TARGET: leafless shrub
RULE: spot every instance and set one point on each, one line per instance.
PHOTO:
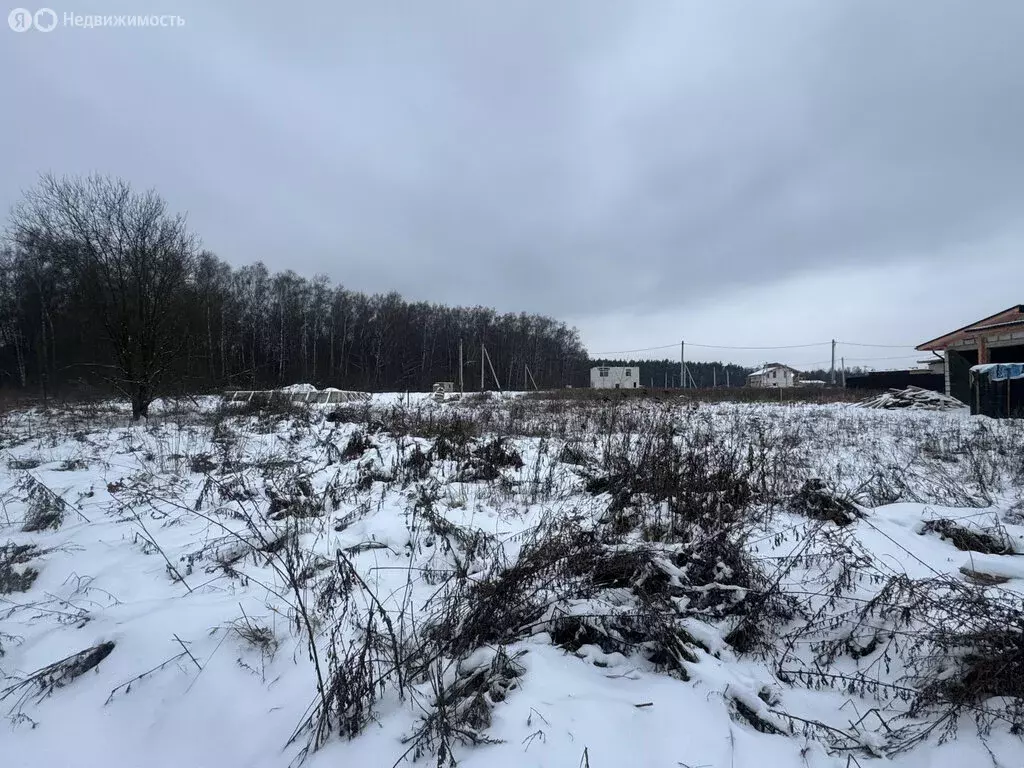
(454, 426)
(6, 638)
(226, 553)
(371, 470)
(452, 544)
(72, 465)
(621, 595)
(757, 717)
(956, 649)
(497, 609)
(269, 409)
(574, 453)
(351, 414)
(12, 579)
(202, 464)
(363, 657)
(694, 477)
(993, 541)
(459, 711)
(357, 445)
(257, 637)
(293, 498)
(45, 508)
(814, 500)
(450, 447)
(415, 466)
(486, 460)
(24, 463)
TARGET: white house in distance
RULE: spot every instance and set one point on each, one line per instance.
(773, 375)
(605, 377)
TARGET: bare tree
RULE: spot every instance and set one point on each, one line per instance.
(133, 260)
(10, 309)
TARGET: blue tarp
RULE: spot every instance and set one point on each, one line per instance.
(1000, 371)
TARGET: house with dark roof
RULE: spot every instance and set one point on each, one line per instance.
(998, 338)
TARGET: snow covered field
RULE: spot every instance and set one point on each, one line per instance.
(511, 582)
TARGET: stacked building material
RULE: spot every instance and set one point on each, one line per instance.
(299, 393)
(914, 398)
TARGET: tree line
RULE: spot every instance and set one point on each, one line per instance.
(102, 284)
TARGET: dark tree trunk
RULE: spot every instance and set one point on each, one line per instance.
(141, 399)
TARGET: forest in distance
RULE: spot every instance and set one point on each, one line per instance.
(101, 285)
(103, 288)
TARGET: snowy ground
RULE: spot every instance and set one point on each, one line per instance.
(741, 616)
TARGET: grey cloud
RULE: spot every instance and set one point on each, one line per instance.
(538, 155)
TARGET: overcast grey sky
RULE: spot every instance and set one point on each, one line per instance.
(734, 173)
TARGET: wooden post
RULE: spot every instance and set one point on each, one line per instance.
(491, 366)
(533, 380)
(682, 364)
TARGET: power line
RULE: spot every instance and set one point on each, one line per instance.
(895, 357)
(766, 348)
(711, 346)
(787, 346)
(858, 359)
(884, 346)
(630, 351)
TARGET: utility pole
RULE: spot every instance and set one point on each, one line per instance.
(843, 360)
(714, 377)
(666, 378)
(491, 365)
(833, 361)
(727, 377)
(682, 364)
(461, 387)
(532, 380)
(482, 353)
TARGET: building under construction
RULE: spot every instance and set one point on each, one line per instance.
(998, 338)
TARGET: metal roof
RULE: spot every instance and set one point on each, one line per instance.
(1009, 318)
